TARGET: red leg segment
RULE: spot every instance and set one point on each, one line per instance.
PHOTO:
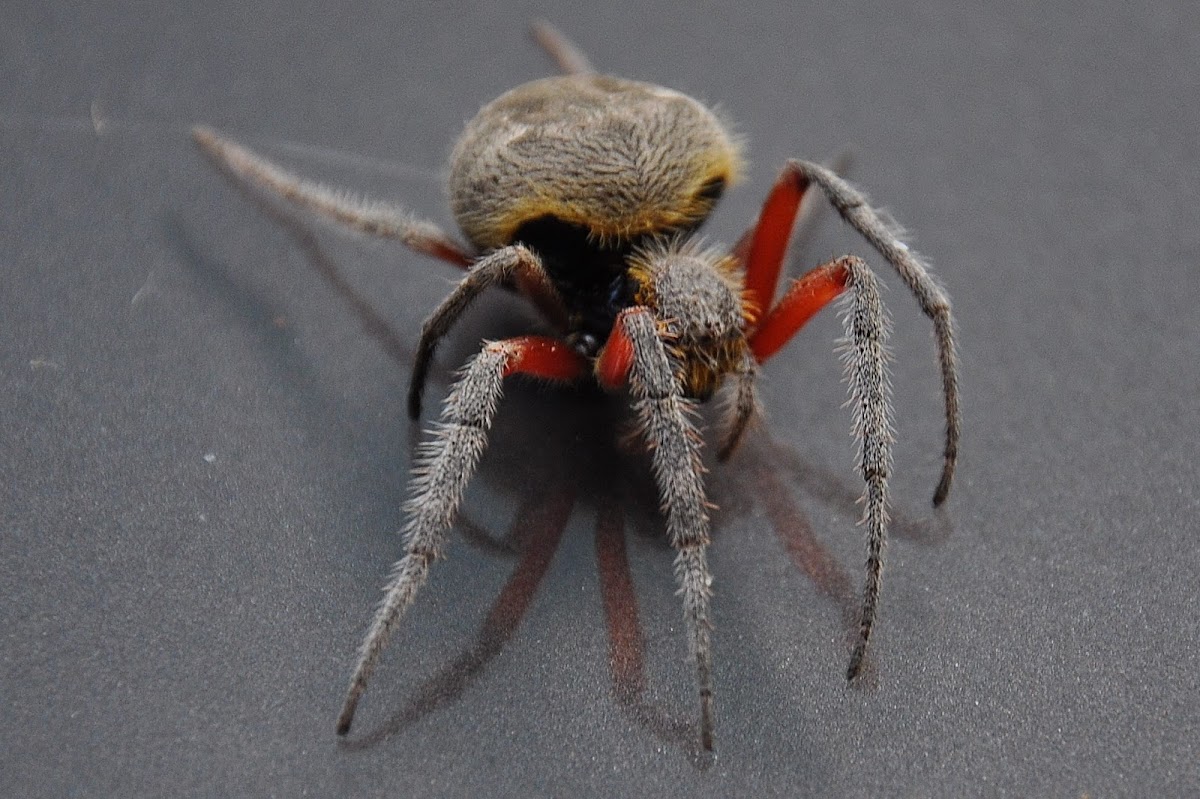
(616, 359)
(448, 251)
(539, 356)
(808, 294)
(765, 248)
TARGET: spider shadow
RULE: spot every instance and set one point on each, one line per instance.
(537, 526)
(759, 475)
(576, 475)
(536, 529)
(298, 226)
(832, 490)
(535, 532)
(626, 656)
(224, 284)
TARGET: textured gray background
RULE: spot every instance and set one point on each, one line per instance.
(205, 449)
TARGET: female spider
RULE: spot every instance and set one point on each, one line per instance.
(583, 192)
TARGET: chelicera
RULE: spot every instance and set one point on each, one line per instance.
(583, 192)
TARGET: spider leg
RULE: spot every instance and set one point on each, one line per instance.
(742, 408)
(807, 295)
(502, 266)
(764, 246)
(570, 59)
(446, 465)
(854, 208)
(639, 356)
(366, 216)
(866, 358)
(785, 214)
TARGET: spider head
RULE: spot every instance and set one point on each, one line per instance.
(699, 296)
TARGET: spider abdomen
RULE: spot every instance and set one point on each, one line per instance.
(619, 158)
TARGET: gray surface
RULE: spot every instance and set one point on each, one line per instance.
(205, 449)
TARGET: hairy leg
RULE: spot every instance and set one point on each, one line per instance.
(762, 249)
(743, 406)
(365, 216)
(570, 59)
(865, 355)
(864, 349)
(446, 465)
(807, 295)
(855, 209)
(665, 414)
(501, 266)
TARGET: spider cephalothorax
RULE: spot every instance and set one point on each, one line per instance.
(583, 192)
(699, 296)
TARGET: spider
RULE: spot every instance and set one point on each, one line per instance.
(584, 192)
